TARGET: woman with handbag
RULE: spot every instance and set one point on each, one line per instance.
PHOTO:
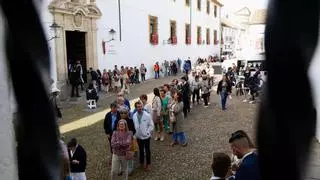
(176, 117)
(124, 113)
(120, 142)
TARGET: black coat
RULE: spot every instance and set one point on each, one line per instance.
(74, 77)
(229, 87)
(81, 156)
(185, 90)
(91, 94)
(108, 123)
(94, 75)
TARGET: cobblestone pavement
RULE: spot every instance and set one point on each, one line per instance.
(207, 130)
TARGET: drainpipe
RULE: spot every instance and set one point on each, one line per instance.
(119, 10)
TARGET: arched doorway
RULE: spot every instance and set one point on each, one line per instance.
(78, 36)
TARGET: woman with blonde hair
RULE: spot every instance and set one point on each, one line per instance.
(120, 143)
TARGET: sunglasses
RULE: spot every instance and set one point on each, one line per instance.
(123, 113)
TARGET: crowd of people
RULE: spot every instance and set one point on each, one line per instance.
(117, 80)
(130, 131)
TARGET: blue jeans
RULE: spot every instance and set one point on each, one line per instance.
(179, 136)
(156, 74)
(224, 97)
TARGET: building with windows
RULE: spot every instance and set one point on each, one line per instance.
(104, 33)
(247, 26)
(256, 30)
(233, 37)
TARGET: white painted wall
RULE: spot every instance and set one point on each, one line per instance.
(47, 20)
(135, 47)
(255, 32)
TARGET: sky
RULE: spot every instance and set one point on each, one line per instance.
(230, 5)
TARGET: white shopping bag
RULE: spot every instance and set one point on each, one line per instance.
(230, 97)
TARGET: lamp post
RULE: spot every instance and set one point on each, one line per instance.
(112, 32)
(55, 28)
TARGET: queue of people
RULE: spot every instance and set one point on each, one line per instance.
(160, 119)
(117, 80)
(130, 132)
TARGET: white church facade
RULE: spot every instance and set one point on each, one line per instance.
(104, 33)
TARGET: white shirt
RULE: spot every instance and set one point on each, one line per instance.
(72, 152)
(215, 177)
(148, 108)
(145, 127)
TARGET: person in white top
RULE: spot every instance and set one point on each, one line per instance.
(211, 76)
(156, 116)
(144, 126)
(146, 106)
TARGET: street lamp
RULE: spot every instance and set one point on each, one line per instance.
(112, 32)
(55, 28)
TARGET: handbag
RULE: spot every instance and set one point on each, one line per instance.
(134, 146)
(163, 113)
(172, 117)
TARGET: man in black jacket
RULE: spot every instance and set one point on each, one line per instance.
(78, 160)
(185, 90)
(75, 80)
(110, 122)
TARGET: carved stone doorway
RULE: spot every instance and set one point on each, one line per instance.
(80, 16)
(76, 50)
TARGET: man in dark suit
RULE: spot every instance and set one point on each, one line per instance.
(249, 167)
(110, 122)
(78, 159)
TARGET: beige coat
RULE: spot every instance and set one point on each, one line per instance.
(156, 108)
(178, 112)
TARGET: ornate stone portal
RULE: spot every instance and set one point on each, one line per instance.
(75, 15)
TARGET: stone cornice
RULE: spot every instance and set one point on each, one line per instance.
(67, 7)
